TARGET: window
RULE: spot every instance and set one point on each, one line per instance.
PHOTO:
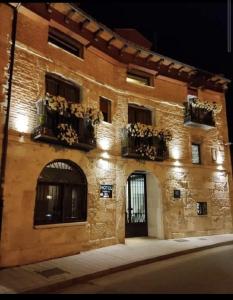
(65, 42)
(105, 107)
(57, 86)
(61, 195)
(202, 208)
(196, 157)
(139, 114)
(138, 77)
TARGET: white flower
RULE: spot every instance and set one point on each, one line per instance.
(67, 134)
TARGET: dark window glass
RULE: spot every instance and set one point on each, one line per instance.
(105, 107)
(61, 194)
(196, 155)
(139, 114)
(202, 208)
(65, 42)
(57, 86)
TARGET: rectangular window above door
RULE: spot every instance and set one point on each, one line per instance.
(139, 114)
(57, 86)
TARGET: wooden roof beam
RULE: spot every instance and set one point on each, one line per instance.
(49, 6)
(83, 24)
(180, 70)
(137, 53)
(148, 58)
(109, 41)
(97, 33)
(122, 49)
(169, 66)
(69, 15)
(159, 62)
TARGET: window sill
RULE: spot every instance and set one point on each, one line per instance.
(60, 225)
(140, 85)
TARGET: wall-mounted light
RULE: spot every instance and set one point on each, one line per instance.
(103, 164)
(105, 155)
(21, 123)
(104, 143)
(175, 152)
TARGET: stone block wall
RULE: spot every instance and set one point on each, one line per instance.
(210, 182)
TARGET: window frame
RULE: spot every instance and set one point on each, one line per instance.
(65, 42)
(62, 215)
(133, 76)
(203, 208)
(199, 153)
(140, 108)
(109, 109)
(63, 83)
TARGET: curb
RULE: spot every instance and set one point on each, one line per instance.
(69, 282)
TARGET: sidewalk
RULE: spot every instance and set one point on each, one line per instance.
(61, 272)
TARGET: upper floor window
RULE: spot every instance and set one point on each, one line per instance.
(105, 107)
(139, 114)
(196, 155)
(61, 194)
(65, 42)
(192, 93)
(57, 86)
(138, 77)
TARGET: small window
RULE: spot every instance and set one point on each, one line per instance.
(138, 78)
(202, 208)
(196, 156)
(105, 107)
(61, 195)
(139, 114)
(65, 42)
(57, 86)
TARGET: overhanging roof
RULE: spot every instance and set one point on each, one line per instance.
(109, 42)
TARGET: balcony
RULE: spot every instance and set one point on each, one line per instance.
(65, 130)
(198, 117)
(151, 148)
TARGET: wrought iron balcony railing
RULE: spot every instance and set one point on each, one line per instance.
(48, 131)
(198, 117)
(145, 148)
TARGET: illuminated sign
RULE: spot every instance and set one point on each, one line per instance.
(106, 191)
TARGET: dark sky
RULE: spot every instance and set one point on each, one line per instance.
(194, 32)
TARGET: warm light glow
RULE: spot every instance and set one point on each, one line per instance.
(175, 152)
(104, 144)
(220, 168)
(177, 163)
(103, 164)
(220, 157)
(105, 155)
(21, 123)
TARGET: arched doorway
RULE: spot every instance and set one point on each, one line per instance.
(61, 194)
(136, 206)
(143, 215)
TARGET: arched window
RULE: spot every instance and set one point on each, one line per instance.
(61, 195)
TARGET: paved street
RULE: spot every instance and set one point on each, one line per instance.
(209, 271)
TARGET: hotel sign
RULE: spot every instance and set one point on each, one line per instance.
(106, 191)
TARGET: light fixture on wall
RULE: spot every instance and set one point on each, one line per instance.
(21, 124)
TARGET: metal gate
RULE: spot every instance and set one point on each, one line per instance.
(136, 209)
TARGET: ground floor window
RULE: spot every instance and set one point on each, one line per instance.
(61, 194)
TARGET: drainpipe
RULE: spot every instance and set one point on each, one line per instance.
(6, 123)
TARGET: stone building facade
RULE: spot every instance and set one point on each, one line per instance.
(184, 197)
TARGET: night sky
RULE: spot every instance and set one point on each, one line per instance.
(192, 32)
